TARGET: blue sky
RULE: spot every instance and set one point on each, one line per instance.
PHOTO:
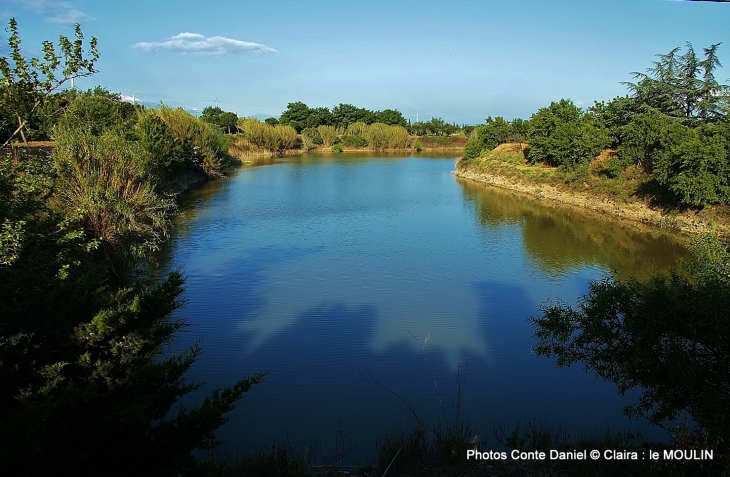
(462, 60)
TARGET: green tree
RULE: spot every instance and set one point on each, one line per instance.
(519, 129)
(694, 163)
(345, 114)
(228, 122)
(392, 117)
(319, 117)
(99, 110)
(668, 337)
(683, 86)
(614, 116)
(295, 115)
(27, 84)
(434, 127)
(225, 121)
(488, 136)
(643, 139)
(211, 115)
(562, 135)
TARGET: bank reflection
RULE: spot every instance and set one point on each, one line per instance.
(561, 240)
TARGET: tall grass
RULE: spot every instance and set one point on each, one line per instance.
(105, 183)
(274, 139)
(384, 136)
(356, 129)
(285, 136)
(328, 134)
(208, 144)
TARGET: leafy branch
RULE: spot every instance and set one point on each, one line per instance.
(25, 85)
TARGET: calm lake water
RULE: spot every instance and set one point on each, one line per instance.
(332, 271)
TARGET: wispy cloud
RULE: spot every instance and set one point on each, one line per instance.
(197, 43)
(55, 11)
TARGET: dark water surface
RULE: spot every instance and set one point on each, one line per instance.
(326, 270)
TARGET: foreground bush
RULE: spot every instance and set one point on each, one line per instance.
(668, 337)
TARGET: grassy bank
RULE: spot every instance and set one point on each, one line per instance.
(629, 194)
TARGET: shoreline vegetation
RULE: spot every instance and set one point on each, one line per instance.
(506, 167)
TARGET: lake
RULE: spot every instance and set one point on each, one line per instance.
(333, 272)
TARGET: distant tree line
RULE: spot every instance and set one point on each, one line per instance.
(674, 124)
(300, 116)
(302, 127)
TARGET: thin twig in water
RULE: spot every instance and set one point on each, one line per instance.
(413, 411)
(430, 369)
(391, 462)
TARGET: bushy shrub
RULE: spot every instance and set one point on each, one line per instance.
(642, 139)
(611, 168)
(168, 155)
(494, 132)
(99, 110)
(312, 135)
(695, 164)
(562, 135)
(474, 146)
(106, 182)
(353, 141)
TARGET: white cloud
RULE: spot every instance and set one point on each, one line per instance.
(190, 36)
(55, 11)
(197, 43)
(69, 17)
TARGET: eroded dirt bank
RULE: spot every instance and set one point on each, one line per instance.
(689, 222)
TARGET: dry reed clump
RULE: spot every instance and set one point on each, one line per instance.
(285, 135)
(328, 134)
(271, 138)
(253, 131)
(207, 142)
(241, 147)
(357, 129)
(105, 182)
(384, 136)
